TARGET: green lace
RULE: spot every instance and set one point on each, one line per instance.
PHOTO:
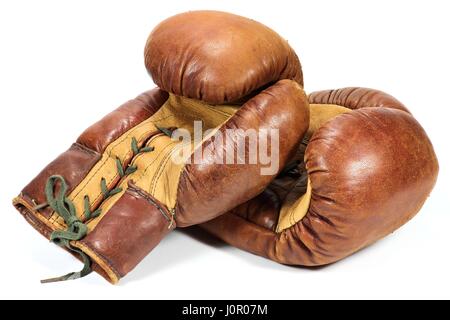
(76, 229)
(65, 208)
(167, 131)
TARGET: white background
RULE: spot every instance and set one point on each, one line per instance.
(65, 64)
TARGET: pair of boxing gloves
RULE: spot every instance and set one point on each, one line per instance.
(331, 173)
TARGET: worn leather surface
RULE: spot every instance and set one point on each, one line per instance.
(131, 229)
(356, 98)
(201, 184)
(73, 164)
(217, 57)
(371, 170)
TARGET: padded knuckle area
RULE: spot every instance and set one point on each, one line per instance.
(262, 112)
(372, 153)
(356, 98)
(98, 136)
(182, 55)
(370, 171)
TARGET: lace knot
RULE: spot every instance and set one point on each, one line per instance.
(76, 230)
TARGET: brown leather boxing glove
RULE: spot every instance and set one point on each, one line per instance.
(365, 168)
(121, 187)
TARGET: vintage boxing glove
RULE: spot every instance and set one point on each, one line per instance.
(367, 169)
(127, 181)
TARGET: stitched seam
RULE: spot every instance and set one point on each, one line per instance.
(345, 104)
(109, 155)
(55, 218)
(218, 111)
(205, 143)
(363, 96)
(161, 119)
(24, 194)
(164, 164)
(102, 257)
(158, 171)
(208, 107)
(149, 199)
(146, 168)
(84, 148)
(161, 169)
(130, 152)
(39, 216)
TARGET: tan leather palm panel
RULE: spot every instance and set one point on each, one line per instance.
(106, 168)
(157, 174)
(294, 208)
(321, 113)
(151, 166)
(296, 204)
(160, 178)
(180, 112)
